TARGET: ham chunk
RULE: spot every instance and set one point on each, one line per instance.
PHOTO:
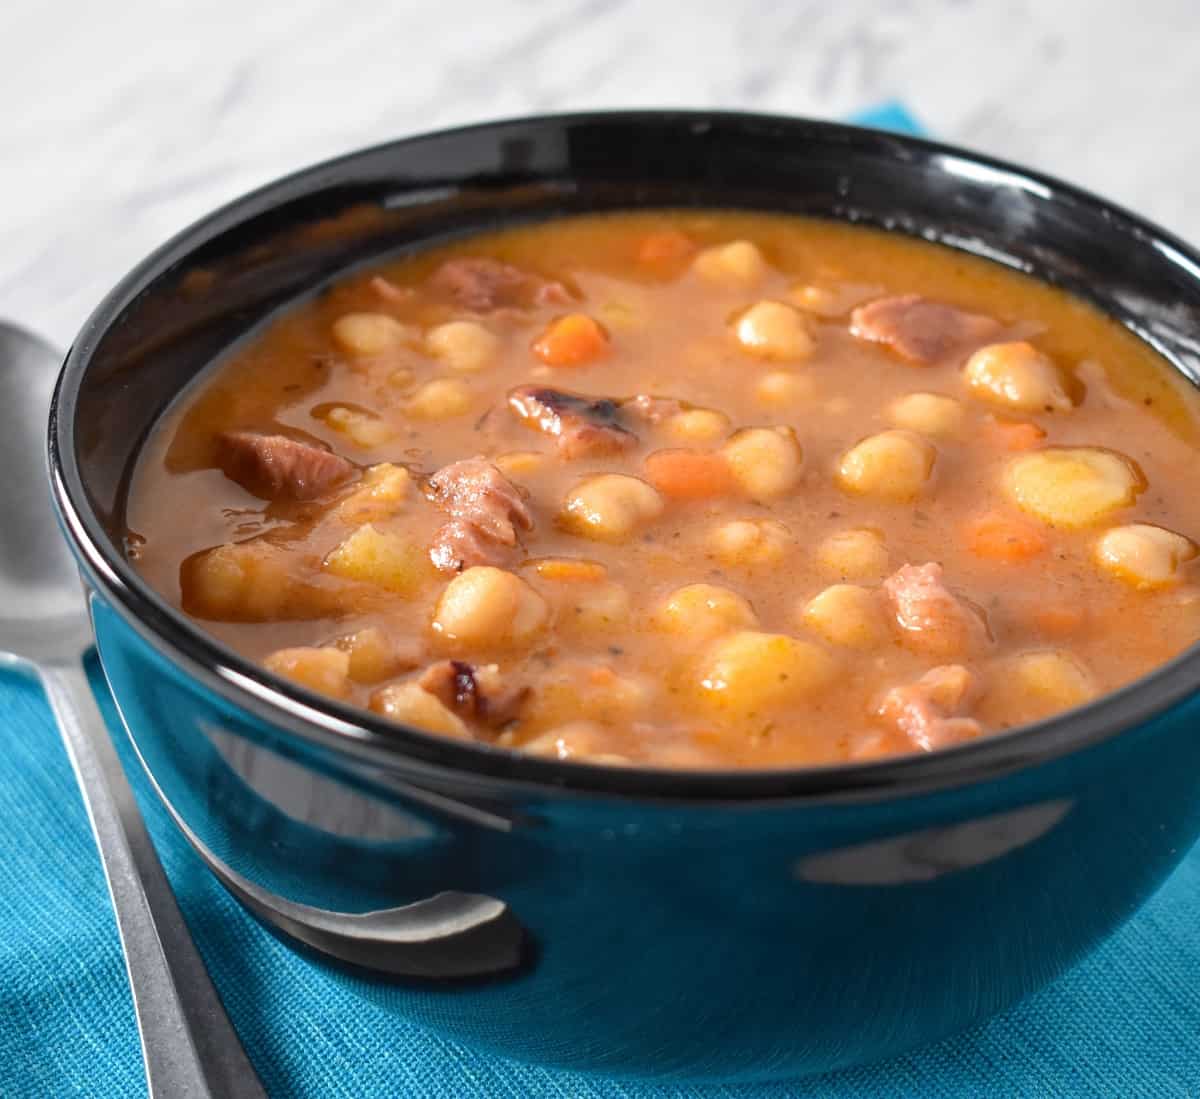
(476, 693)
(929, 617)
(486, 511)
(481, 285)
(930, 712)
(920, 330)
(275, 467)
(584, 427)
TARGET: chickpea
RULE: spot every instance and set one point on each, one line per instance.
(386, 560)
(703, 611)
(325, 671)
(781, 389)
(366, 334)
(764, 461)
(597, 606)
(748, 672)
(463, 345)
(818, 299)
(893, 465)
(698, 425)
(854, 554)
(927, 414)
(772, 330)
(610, 507)
(520, 463)
(1050, 680)
(363, 429)
(410, 704)
(440, 399)
(749, 542)
(739, 263)
(486, 607)
(848, 615)
(1144, 556)
(1072, 486)
(1016, 375)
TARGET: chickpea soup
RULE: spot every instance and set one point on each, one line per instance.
(686, 489)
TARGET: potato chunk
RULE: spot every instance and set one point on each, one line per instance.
(374, 656)
(848, 615)
(927, 414)
(703, 611)
(463, 345)
(386, 560)
(1144, 556)
(746, 543)
(610, 507)
(440, 399)
(325, 671)
(739, 263)
(750, 672)
(772, 330)
(488, 608)
(367, 334)
(1072, 486)
(893, 465)
(854, 554)
(1048, 680)
(412, 705)
(381, 494)
(1017, 375)
(765, 461)
(364, 429)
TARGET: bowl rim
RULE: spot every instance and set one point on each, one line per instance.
(347, 729)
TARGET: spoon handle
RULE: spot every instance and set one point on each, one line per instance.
(190, 1048)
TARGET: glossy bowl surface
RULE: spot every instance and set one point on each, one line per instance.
(688, 924)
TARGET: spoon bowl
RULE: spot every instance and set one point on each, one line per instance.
(43, 613)
(188, 1044)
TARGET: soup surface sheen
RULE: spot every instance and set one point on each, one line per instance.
(686, 489)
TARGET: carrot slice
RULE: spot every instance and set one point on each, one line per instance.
(569, 569)
(689, 474)
(573, 340)
(1001, 537)
(1013, 435)
(665, 245)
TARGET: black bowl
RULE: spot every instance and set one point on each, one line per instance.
(730, 925)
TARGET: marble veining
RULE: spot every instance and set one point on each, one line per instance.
(123, 123)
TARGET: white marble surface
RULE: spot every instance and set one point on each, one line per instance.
(123, 122)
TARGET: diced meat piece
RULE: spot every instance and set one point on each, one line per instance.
(584, 427)
(481, 285)
(552, 293)
(930, 618)
(920, 330)
(486, 510)
(459, 545)
(389, 291)
(651, 409)
(275, 467)
(930, 712)
(476, 693)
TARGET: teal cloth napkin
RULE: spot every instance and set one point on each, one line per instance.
(1125, 1023)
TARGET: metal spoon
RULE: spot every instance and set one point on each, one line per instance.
(189, 1047)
